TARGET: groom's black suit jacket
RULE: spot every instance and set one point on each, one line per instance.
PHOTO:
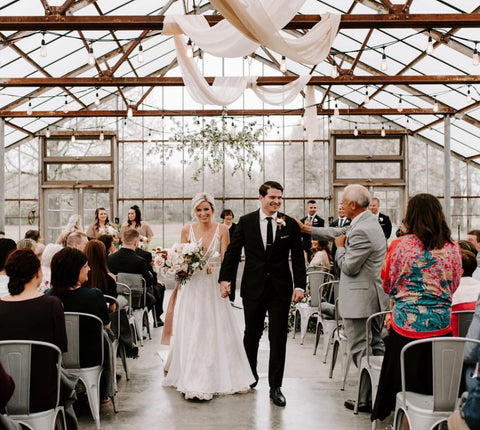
(265, 269)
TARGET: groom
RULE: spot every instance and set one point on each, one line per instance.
(269, 237)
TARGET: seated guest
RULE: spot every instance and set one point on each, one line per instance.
(321, 256)
(34, 235)
(107, 240)
(7, 246)
(74, 224)
(76, 240)
(6, 388)
(50, 250)
(99, 276)
(26, 244)
(466, 295)
(27, 314)
(469, 246)
(420, 273)
(472, 351)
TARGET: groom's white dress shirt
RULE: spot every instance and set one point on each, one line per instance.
(264, 224)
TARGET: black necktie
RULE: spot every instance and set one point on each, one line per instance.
(341, 222)
(269, 232)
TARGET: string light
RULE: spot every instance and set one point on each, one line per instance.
(400, 104)
(430, 44)
(355, 131)
(72, 139)
(334, 71)
(302, 120)
(367, 97)
(283, 64)
(408, 124)
(97, 99)
(102, 136)
(475, 57)
(149, 139)
(47, 133)
(29, 108)
(330, 124)
(129, 112)
(304, 133)
(435, 106)
(43, 46)
(384, 64)
(383, 132)
(336, 111)
(162, 122)
(189, 48)
(469, 95)
(232, 130)
(65, 105)
(91, 56)
(140, 57)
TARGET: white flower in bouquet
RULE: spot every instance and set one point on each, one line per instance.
(111, 230)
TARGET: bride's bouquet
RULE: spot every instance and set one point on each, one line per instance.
(181, 260)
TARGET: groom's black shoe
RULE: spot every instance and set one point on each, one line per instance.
(255, 383)
(277, 396)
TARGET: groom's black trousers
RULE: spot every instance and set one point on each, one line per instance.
(255, 311)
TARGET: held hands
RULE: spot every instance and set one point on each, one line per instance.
(340, 241)
(304, 228)
(297, 295)
(224, 289)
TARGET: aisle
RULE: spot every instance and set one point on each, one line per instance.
(313, 400)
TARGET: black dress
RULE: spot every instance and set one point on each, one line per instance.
(40, 319)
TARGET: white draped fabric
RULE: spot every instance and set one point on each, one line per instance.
(258, 24)
(282, 94)
(310, 117)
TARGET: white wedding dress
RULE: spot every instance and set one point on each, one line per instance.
(207, 356)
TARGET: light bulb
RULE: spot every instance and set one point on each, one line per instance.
(367, 97)
(302, 121)
(65, 106)
(408, 124)
(162, 122)
(47, 133)
(304, 133)
(469, 95)
(336, 111)
(91, 56)
(283, 64)
(43, 47)
(149, 139)
(232, 130)
(383, 132)
(140, 57)
(355, 131)
(400, 104)
(475, 57)
(189, 48)
(72, 138)
(334, 70)
(29, 108)
(97, 99)
(129, 112)
(102, 136)
(384, 65)
(430, 44)
(435, 106)
(330, 124)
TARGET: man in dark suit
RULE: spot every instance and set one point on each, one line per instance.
(383, 219)
(341, 221)
(315, 221)
(268, 237)
(125, 260)
(158, 289)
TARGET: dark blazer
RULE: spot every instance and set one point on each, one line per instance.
(265, 269)
(335, 223)
(127, 261)
(386, 224)
(147, 256)
(306, 238)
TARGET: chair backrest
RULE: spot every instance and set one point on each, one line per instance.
(447, 362)
(137, 286)
(71, 358)
(464, 320)
(114, 327)
(315, 279)
(368, 325)
(16, 358)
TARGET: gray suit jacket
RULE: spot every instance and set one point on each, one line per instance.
(360, 263)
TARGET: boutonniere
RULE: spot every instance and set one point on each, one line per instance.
(281, 222)
(380, 218)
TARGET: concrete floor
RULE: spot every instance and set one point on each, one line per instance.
(313, 400)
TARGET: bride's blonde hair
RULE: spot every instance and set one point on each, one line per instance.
(199, 199)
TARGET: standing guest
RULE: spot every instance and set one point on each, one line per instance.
(77, 240)
(50, 250)
(340, 222)
(321, 256)
(101, 226)
(99, 275)
(315, 221)
(74, 225)
(7, 246)
(227, 216)
(421, 272)
(135, 222)
(27, 314)
(383, 219)
(269, 238)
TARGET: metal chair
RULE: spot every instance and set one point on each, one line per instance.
(125, 291)
(306, 310)
(138, 287)
(16, 357)
(327, 322)
(90, 376)
(370, 366)
(464, 319)
(427, 411)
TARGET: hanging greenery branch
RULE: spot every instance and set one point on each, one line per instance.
(215, 144)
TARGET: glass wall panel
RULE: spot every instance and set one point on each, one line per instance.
(361, 146)
(348, 170)
(80, 148)
(78, 172)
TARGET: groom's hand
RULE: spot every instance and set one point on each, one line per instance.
(304, 228)
(297, 295)
(224, 288)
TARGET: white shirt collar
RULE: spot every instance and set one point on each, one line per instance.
(263, 216)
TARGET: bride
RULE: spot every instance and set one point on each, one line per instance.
(207, 356)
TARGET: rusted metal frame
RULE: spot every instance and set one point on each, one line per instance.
(65, 7)
(370, 158)
(219, 112)
(21, 129)
(406, 6)
(78, 160)
(128, 51)
(303, 22)
(387, 5)
(360, 52)
(46, 6)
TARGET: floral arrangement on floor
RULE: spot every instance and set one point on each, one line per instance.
(182, 260)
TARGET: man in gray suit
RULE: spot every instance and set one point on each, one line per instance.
(360, 252)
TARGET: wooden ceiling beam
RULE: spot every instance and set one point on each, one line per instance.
(298, 22)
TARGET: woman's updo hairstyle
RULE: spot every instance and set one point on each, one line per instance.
(200, 198)
(21, 266)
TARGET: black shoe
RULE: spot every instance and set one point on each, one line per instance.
(255, 383)
(118, 376)
(277, 397)
(160, 322)
(362, 406)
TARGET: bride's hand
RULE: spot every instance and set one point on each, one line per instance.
(224, 288)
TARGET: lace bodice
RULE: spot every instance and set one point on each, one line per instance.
(213, 251)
